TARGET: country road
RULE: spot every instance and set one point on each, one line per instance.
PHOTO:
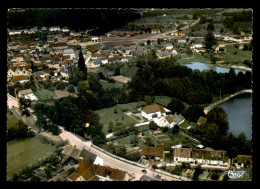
(121, 39)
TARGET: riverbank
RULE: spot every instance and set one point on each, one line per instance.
(211, 106)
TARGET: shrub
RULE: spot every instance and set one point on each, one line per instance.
(153, 125)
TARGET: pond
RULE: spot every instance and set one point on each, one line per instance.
(239, 112)
(203, 66)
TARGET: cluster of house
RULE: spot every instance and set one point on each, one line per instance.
(36, 29)
(161, 116)
(195, 156)
(90, 167)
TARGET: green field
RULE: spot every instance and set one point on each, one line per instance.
(44, 94)
(239, 58)
(108, 115)
(25, 152)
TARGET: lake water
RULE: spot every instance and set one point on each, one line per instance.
(202, 66)
(239, 112)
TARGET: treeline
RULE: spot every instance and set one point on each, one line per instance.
(238, 21)
(197, 12)
(165, 77)
(101, 20)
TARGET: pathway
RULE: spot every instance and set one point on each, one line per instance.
(210, 107)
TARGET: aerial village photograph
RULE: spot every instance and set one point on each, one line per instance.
(129, 94)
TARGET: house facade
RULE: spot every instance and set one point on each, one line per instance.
(17, 71)
(201, 156)
(156, 153)
(155, 31)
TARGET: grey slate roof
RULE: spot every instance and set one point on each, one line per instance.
(88, 156)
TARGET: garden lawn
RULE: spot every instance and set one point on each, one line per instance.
(108, 115)
(25, 152)
(44, 94)
(239, 58)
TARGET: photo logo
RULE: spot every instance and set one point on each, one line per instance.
(234, 174)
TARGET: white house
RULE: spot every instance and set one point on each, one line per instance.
(15, 32)
(54, 28)
(21, 70)
(164, 121)
(196, 45)
(181, 40)
(27, 94)
(151, 111)
(200, 156)
(155, 31)
(94, 39)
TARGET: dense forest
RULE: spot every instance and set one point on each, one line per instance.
(99, 21)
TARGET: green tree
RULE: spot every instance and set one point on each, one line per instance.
(149, 99)
(134, 140)
(81, 65)
(209, 40)
(99, 139)
(176, 105)
(194, 112)
(71, 88)
(135, 156)
(175, 129)
(211, 26)
(24, 105)
(153, 125)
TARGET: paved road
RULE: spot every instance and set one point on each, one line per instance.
(111, 161)
(151, 37)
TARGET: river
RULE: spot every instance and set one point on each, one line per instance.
(239, 112)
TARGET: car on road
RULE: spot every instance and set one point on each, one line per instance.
(144, 171)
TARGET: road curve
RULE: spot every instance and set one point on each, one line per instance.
(112, 161)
